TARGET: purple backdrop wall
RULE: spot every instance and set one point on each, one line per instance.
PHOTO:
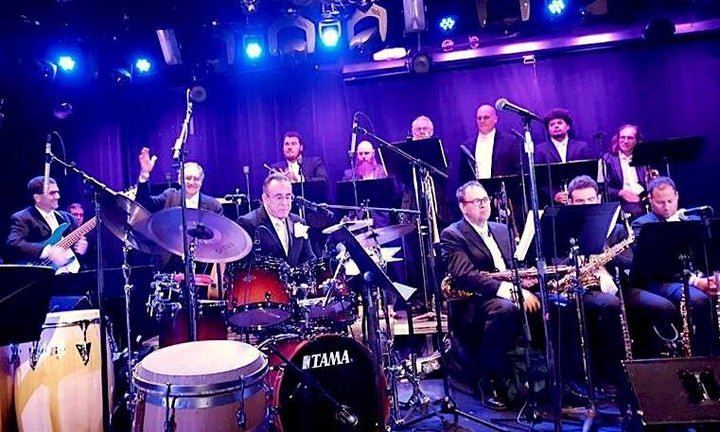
(669, 91)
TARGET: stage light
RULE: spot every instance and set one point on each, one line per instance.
(67, 63)
(556, 7)
(142, 65)
(329, 32)
(169, 46)
(253, 46)
(447, 24)
(293, 34)
(249, 6)
(420, 63)
(374, 17)
(414, 15)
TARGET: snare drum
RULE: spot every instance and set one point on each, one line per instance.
(329, 302)
(342, 367)
(212, 386)
(58, 382)
(173, 319)
(258, 299)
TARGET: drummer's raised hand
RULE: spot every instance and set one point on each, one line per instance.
(147, 163)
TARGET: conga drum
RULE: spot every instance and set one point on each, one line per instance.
(201, 386)
(7, 371)
(58, 382)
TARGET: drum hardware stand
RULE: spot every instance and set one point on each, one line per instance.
(128, 287)
(343, 413)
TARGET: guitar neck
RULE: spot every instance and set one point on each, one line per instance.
(76, 235)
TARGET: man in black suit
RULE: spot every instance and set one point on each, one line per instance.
(31, 227)
(625, 183)
(276, 232)
(194, 199)
(470, 248)
(663, 197)
(496, 153)
(561, 148)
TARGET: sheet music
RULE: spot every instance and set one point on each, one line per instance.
(527, 236)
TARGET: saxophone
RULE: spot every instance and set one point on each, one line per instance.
(588, 276)
(627, 340)
(452, 293)
(687, 349)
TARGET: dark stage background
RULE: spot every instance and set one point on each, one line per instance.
(670, 90)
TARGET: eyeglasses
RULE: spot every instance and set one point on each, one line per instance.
(479, 201)
(193, 178)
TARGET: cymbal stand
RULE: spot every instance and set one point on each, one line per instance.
(128, 287)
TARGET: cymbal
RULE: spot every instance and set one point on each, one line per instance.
(352, 225)
(128, 221)
(217, 238)
(385, 235)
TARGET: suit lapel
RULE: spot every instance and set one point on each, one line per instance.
(265, 220)
(477, 245)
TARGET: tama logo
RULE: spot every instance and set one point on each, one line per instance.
(321, 360)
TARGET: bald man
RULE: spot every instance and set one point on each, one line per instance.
(495, 153)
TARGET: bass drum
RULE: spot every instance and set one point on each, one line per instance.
(58, 382)
(201, 386)
(343, 370)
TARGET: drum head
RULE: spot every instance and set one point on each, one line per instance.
(214, 364)
(61, 319)
(343, 370)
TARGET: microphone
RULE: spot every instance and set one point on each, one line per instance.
(467, 153)
(503, 104)
(702, 211)
(48, 159)
(317, 208)
(234, 197)
(300, 160)
(353, 139)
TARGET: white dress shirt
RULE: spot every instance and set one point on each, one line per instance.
(505, 289)
(281, 229)
(629, 173)
(483, 154)
(561, 147)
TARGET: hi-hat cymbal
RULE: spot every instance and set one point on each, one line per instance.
(128, 221)
(352, 225)
(216, 237)
(384, 235)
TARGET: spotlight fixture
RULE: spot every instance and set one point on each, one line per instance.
(420, 63)
(67, 63)
(253, 46)
(329, 27)
(414, 15)
(169, 46)
(249, 6)
(447, 24)
(373, 13)
(142, 65)
(294, 34)
(556, 7)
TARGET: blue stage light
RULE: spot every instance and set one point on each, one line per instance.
(447, 23)
(556, 7)
(66, 63)
(142, 65)
(329, 32)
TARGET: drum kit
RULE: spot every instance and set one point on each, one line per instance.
(297, 368)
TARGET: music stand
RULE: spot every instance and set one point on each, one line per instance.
(24, 300)
(371, 193)
(663, 152)
(588, 224)
(429, 150)
(551, 177)
(316, 191)
(514, 190)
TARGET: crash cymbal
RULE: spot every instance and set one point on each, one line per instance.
(352, 225)
(128, 221)
(216, 237)
(384, 235)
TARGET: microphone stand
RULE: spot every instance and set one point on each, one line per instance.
(301, 210)
(104, 359)
(179, 163)
(603, 167)
(246, 171)
(553, 371)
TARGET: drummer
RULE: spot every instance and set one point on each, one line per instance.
(170, 197)
(275, 231)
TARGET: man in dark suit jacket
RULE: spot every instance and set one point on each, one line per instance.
(32, 226)
(663, 197)
(561, 148)
(504, 150)
(194, 176)
(470, 248)
(628, 191)
(276, 232)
